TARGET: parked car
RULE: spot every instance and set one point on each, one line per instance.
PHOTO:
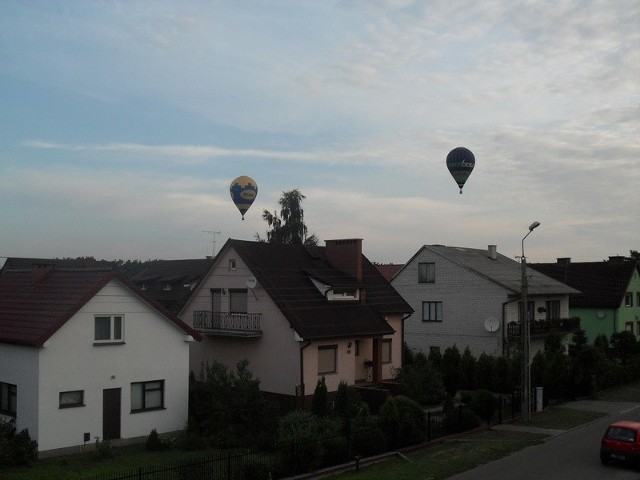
(621, 441)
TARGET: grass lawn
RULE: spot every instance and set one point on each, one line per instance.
(563, 418)
(451, 457)
(79, 466)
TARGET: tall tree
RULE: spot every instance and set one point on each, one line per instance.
(288, 227)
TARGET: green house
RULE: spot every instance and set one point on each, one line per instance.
(610, 298)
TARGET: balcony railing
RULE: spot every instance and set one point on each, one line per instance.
(227, 324)
(543, 327)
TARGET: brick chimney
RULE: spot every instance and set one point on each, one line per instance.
(345, 255)
(40, 270)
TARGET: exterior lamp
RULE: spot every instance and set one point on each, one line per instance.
(525, 335)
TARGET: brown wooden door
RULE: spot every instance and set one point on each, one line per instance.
(111, 413)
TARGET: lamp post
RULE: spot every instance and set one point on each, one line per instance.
(525, 333)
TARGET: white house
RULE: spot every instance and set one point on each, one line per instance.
(86, 355)
(471, 298)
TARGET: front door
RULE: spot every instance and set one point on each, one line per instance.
(111, 413)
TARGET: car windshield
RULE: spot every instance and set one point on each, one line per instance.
(620, 433)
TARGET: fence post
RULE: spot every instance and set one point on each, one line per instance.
(139, 473)
(428, 425)
(500, 410)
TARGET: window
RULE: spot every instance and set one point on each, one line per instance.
(327, 359)
(232, 264)
(166, 286)
(628, 327)
(109, 329)
(8, 399)
(431, 311)
(71, 399)
(638, 328)
(386, 350)
(553, 309)
(628, 299)
(147, 396)
(426, 272)
(238, 300)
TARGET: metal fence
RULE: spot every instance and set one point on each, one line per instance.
(286, 460)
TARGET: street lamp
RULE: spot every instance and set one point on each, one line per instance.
(526, 335)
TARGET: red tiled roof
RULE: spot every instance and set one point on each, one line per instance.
(31, 312)
(389, 270)
(285, 272)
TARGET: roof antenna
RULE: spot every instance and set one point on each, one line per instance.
(213, 240)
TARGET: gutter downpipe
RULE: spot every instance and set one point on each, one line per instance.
(302, 393)
(504, 321)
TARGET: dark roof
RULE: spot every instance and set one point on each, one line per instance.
(17, 263)
(285, 272)
(183, 275)
(32, 311)
(603, 284)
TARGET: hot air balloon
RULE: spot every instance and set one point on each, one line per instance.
(460, 163)
(243, 192)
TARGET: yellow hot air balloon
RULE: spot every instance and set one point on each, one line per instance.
(243, 192)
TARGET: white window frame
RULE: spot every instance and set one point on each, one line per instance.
(116, 322)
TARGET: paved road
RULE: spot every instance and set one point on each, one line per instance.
(570, 455)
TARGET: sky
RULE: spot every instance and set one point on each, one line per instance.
(122, 124)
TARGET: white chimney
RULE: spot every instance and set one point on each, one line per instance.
(493, 252)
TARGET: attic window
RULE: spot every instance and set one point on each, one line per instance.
(232, 264)
(166, 287)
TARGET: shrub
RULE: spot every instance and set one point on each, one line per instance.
(154, 442)
(483, 404)
(191, 441)
(421, 381)
(299, 442)
(320, 401)
(16, 448)
(403, 421)
(460, 420)
(366, 442)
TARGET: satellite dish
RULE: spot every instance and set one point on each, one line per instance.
(252, 282)
(491, 324)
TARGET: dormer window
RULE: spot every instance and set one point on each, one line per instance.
(166, 287)
(343, 294)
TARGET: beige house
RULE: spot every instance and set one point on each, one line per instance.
(298, 314)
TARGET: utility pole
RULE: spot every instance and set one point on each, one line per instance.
(213, 241)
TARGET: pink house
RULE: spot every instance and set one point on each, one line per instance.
(297, 314)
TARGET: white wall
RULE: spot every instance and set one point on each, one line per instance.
(154, 349)
(468, 300)
(273, 358)
(19, 366)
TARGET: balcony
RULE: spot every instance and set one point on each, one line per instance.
(225, 324)
(540, 328)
